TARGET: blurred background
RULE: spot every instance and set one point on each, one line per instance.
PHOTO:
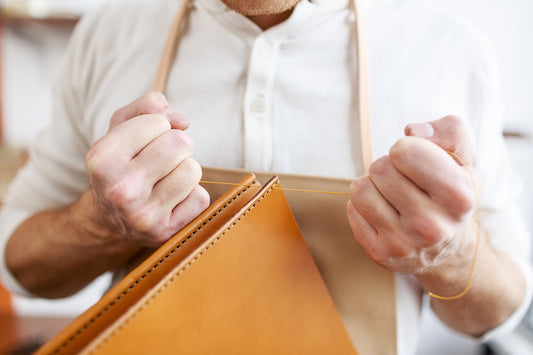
(33, 37)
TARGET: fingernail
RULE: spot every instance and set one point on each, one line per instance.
(423, 130)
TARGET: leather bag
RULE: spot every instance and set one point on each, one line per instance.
(238, 280)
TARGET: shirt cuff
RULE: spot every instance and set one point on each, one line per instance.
(514, 320)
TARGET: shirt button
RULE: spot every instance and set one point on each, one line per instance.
(258, 104)
(265, 47)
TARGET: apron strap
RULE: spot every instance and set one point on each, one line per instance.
(171, 47)
(362, 95)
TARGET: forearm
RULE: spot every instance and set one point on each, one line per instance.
(497, 290)
(56, 253)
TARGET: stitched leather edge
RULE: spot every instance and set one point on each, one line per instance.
(116, 300)
(178, 273)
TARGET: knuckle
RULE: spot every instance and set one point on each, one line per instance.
(154, 102)
(96, 162)
(181, 140)
(381, 257)
(160, 121)
(453, 127)
(380, 166)
(123, 193)
(431, 230)
(360, 186)
(202, 197)
(453, 121)
(192, 170)
(464, 199)
(117, 115)
(403, 149)
(144, 220)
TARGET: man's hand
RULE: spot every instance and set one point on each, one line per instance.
(144, 188)
(413, 212)
(144, 180)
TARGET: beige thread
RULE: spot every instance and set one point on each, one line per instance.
(478, 236)
(277, 188)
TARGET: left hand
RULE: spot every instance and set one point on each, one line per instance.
(412, 214)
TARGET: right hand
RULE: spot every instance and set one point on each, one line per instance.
(144, 180)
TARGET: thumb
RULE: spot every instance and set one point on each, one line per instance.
(450, 133)
(151, 103)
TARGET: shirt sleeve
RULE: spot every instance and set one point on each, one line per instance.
(500, 212)
(55, 175)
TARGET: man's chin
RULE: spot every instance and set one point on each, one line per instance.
(260, 7)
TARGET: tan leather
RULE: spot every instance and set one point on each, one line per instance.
(363, 292)
(238, 280)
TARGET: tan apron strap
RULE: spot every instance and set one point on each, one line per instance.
(171, 47)
(362, 98)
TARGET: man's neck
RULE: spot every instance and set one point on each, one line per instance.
(267, 21)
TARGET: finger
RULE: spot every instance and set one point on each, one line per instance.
(151, 103)
(450, 133)
(435, 172)
(176, 186)
(163, 155)
(363, 231)
(190, 208)
(419, 215)
(380, 214)
(371, 204)
(118, 147)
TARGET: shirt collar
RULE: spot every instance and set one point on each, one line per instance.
(246, 29)
(368, 6)
(218, 6)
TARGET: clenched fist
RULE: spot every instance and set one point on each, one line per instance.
(413, 213)
(143, 177)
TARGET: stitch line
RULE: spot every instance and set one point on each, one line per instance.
(116, 300)
(178, 273)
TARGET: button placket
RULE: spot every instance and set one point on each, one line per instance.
(258, 147)
(258, 104)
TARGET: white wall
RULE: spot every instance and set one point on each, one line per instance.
(509, 24)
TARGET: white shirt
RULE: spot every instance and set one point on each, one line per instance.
(279, 100)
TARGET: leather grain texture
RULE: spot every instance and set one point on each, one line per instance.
(237, 280)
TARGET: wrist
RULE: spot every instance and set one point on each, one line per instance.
(87, 218)
(452, 275)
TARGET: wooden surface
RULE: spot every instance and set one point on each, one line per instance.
(6, 307)
(24, 335)
(17, 18)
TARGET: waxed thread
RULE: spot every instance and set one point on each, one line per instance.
(477, 217)
(275, 188)
(478, 235)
